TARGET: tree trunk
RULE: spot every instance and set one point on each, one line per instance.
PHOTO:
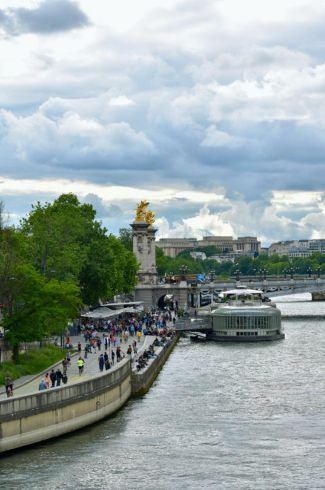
(15, 352)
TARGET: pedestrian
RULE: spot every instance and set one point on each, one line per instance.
(79, 347)
(68, 357)
(107, 364)
(53, 378)
(94, 345)
(64, 379)
(80, 364)
(106, 342)
(47, 380)
(86, 352)
(59, 376)
(64, 366)
(101, 362)
(9, 386)
(42, 385)
(113, 357)
(99, 343)
(129, 351)
(118, 353)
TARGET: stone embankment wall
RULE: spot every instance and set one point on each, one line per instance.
(142, 381)
(26, 420)
(29, 419)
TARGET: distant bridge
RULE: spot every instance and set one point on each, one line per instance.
(273, 285)
(196, 294)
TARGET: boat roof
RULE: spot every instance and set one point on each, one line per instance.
(241, 292)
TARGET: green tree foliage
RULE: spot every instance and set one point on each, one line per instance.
(125, 237)
(67, 243)
(110, 269)
(32, 305)
(58, 235)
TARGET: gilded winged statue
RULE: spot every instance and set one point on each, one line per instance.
(143, 214)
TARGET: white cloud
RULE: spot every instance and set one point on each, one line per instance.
(215, 137)
(213, 109)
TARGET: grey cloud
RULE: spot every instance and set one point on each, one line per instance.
(103, 210)
(48, 17)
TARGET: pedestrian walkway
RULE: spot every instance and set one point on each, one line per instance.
(30, 384)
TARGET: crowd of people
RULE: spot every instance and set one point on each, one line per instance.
(112, 340)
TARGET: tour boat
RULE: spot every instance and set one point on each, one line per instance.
(244, 315)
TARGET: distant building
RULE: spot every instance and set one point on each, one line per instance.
(198, 255)
(297, 248)
(226, 244)
(224, 258)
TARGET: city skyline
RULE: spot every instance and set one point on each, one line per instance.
(210, 110)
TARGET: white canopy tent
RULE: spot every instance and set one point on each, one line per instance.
(104, 313)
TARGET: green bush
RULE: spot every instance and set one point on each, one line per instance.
(31, 362)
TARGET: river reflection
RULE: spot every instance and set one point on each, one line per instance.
(218, 416)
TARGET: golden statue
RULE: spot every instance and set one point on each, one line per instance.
(142, 214)
(150, 217)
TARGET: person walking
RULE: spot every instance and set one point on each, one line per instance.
(118, 353)
(80, 364)
(47, 380)
(65, 366)
(99, 343)
(101, 362)
(79, 347)
(106, 360)
(59, 376)
(53, 378)
(129, 351)
(9, 386)
(113, 357)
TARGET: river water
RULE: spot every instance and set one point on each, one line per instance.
(237, 416)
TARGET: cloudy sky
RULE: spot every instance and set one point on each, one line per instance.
(213, 110)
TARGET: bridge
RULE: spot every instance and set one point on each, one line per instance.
(199, 294)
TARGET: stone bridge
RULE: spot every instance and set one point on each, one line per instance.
(189, 294)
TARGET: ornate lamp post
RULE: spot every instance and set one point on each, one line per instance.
(183, 270)
(212, 275)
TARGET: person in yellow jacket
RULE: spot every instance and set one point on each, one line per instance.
(80, 364)
(139, 333)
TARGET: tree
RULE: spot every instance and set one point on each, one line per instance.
(125, 237)
(32, 305)
(67, 243)
(58, 235)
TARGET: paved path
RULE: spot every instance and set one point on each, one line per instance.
(29, 384)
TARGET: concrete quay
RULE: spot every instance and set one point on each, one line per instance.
(32, 416)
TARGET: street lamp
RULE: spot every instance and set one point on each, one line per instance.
(183, 269)
(212, 275)
(318, 272)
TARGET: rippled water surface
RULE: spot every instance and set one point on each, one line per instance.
(219, 416)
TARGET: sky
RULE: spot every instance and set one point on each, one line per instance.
(212, 110)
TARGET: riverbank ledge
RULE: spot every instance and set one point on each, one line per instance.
(142, 380)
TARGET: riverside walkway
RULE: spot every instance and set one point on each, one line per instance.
(30, 384)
